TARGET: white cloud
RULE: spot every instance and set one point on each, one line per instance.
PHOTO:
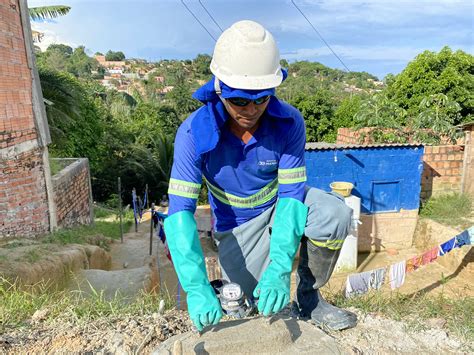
(362, 53)
(50, 37)
(330, 15)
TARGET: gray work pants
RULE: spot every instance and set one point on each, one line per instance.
(244, 250)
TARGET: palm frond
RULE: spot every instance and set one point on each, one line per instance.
(48, 12)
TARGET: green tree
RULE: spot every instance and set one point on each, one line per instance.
(114, 56)
(201, 65)
(63, 58)
(447, 72)
(151, 117)
(344, 115)
(181, 99)
(61, 48)
(149, 163)
(74, 116)
(80, 64)
(385, 118)
(436, 119)
(317, 110)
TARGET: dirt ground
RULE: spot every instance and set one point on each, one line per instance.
(141, 335)
(374, 333)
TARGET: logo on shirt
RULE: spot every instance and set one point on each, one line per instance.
(267, 162)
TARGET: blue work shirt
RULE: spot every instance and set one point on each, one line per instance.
(243, 179)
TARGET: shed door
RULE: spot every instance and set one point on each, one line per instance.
(385, 196)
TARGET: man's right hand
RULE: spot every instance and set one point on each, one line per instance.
(204, 308)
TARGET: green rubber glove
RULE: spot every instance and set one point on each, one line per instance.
(186, 252)
(273, 289)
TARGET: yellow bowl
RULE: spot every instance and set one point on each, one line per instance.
(341, 187)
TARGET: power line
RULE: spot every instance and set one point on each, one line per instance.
(202, 25)
(320, 36)
(212, 18)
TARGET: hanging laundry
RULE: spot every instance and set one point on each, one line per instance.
(134, 204)
(357, 284)
(414, 263)
(465, 238)
(429, 256)
(377, 278)
(446, 247)
(168, 253)
(397, 274)
(160, 231)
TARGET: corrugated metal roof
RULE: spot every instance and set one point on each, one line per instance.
(327, 146)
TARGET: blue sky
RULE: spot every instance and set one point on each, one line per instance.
(376, 36)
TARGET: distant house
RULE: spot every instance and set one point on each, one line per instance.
(352, 88)
(100, 58)
(111, 63)
(116, 70)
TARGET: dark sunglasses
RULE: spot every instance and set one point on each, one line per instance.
(241, 102)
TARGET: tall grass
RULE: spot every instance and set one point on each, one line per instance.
(451, 209)
(416, 309)
(109, 228)
(18, 304)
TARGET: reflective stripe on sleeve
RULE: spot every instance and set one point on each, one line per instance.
(265, 194)
(292, 176)
(184, 188)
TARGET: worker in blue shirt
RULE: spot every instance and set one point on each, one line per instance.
(248, 146)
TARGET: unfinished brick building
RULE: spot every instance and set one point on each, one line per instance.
(26, 197)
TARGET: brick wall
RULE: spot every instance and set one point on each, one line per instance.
(442, 170)
(23, 200)
(72, 193)
(350, 136)
(23, 191)
(16, 106)
(442, 165)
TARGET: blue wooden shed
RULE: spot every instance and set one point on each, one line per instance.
(387, 177)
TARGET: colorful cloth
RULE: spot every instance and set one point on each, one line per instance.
(446, 247)
(465, 238)
(397, 274)
(429, 256)
(357, 284)
(414, 263)
(160, 231)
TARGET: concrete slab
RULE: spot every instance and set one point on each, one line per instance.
(280, 335)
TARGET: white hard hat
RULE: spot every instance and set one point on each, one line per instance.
(247, 57)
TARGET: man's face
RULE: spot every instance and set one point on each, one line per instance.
(246, 117)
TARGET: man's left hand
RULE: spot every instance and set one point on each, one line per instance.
(273, 291)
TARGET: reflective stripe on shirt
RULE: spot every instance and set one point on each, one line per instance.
(184, 188)
(263, 195)
(292, 176)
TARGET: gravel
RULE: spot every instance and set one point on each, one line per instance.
(374, 334)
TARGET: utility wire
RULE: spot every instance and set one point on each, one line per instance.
(202, 25)
(320, 36)
(212, 18)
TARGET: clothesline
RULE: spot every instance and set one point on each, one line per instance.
(361, 283)
(138, 205)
